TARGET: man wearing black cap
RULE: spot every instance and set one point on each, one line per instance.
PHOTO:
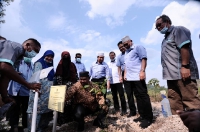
(88, 99)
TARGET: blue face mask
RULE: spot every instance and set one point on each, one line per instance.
(164, 30)
(30, 54)
(78, 60)
(27, 60)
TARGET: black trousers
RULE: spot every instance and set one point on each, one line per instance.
(80, 112)
(118, 89)
(20, 107)
(100, 80)
(143, 101)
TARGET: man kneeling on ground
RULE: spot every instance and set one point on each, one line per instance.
(88, 99)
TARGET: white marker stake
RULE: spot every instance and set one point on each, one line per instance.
(55, 121)
(35, 78)
(34, 116)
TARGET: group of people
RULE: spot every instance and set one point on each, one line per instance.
(84, 93)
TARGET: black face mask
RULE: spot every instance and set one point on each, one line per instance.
(66, 67)
(66, 59)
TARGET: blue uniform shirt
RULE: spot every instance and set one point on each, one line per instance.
(171, 61)
(120, 61)
(80, 67)
(133, 58)
(99, 70)
(15, 88)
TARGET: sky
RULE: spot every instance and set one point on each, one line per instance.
(93, 26)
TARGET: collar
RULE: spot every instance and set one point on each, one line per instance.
(99, 63)
(112, 61)
(131, 48)
(169, 31)
(78, 62)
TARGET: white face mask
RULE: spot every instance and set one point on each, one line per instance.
(78, 59)
(30, 54)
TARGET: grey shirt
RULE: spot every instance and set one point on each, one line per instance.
(175, 38)
(10, 51)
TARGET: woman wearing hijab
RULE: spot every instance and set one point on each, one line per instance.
(44, 115)
(66, 74)
(66, 70)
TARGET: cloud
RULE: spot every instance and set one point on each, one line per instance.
(109, 9)
(114, 10)
(134, 18)
(89, 35)
(58, 46)
(57, 21)
(15, 25)
(181, 15)
(155, 72)
(152, 53)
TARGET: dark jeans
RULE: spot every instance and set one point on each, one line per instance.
(20, 107)
(100, 80)
(117, 88)
(80, 112)
(143, 101)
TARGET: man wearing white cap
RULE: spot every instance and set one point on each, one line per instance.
(99, 71)
(134, 76)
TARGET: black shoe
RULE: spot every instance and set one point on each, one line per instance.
(145, 123)
(123, 113)
(139, 119)
(131, 114)
(99, 124)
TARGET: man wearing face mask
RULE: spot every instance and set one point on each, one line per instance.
(10, 52)
(134, 75)
(20, 94)
(179, 65)
(79, 65)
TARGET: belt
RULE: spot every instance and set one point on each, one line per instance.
(98, 79)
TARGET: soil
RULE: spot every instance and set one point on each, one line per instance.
(117, 123)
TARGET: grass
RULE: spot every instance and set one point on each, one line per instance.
(154, 94)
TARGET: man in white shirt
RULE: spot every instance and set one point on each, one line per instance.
(116, 85)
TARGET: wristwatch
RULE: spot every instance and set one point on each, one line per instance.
(186, 66)
(142, 70)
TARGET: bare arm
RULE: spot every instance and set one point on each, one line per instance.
(125, 73)
(185, 56)
(142, 70)
(120, 74)
(10, 73)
